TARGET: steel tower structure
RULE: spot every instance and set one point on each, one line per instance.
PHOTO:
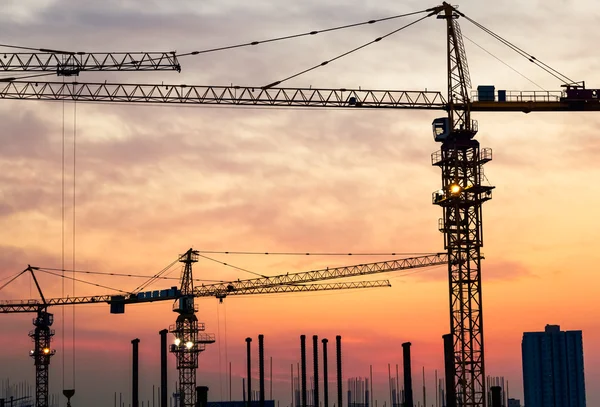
(189, 337)
(461, 197)
(41, 354)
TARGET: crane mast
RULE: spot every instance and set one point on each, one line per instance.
(461, 197)
(190, 338)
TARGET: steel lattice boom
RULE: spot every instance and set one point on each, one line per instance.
(68, 64)
(329, 273)
(221, 95)
(516, 101)
(284, 283)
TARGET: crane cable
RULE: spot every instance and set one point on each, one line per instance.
(18, 78)
(13, 278)
(502, 62)
(156, 276)
(65, 277)
(73, 233)
(63, 212)
(561, 77)
(287, 37)
(232, 266)
(62, 259)
(346, 53)
(127, 275)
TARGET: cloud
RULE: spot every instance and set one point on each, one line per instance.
(505, 270)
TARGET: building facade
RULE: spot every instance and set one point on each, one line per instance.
(553, 373)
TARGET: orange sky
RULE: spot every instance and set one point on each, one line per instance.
(153, 181)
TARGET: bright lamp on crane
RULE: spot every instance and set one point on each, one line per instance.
(46, 351)
(189, 344)
(455, 189)
(177, 341)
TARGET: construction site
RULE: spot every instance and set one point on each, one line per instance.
(170, 243)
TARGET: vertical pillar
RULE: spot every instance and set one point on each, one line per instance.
(408, 393)
(338, 343)
(449, 370)
(163, 367)
(316, 370)
(325, 377)
(261, 370)
(201, 396)
(303, 363)
(496, 396)
(248, 341)
(135, 374)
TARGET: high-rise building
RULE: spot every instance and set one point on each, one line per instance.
(553, 368)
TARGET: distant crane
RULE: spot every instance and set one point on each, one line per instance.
(460, 158)
(190, 339)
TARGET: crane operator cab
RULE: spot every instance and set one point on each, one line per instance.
(441, 129)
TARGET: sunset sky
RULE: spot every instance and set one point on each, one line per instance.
(153, 181)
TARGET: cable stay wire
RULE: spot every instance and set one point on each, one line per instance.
(287, 37)
(18, 78)
(13, 278)
(232, 266)
(128, 275)
(558, 75)
(47, 50)
(155, 277)
(84, 281)
(319, 253)
(504, 63)
(346, 53)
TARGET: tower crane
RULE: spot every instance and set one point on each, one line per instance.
(190, 338)
(460, 159)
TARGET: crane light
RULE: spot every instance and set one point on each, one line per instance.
(455, 189)
(177, 341)
(189, 344)
(46, 351)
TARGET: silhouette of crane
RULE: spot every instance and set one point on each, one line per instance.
(460, 158)
(189, 336)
